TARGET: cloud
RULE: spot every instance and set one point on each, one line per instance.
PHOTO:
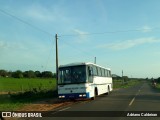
(146, 29)
(82, 38)
(129, 43)
(3, 44)
(11, 46)
(40, 13)
(82, 33)
(23, 53)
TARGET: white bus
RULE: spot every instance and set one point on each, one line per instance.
(83, 80)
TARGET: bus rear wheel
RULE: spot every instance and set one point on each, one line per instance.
(95, 94)
(108, 91)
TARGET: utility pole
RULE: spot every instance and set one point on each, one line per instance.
(122, 78)
(94, 60)
(56, 37)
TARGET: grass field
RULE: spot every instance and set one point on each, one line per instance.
(129, 83)
(26, 84)
(24, 91)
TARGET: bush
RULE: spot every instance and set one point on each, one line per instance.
(33, 95)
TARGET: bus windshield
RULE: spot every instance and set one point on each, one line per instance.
(72, 75)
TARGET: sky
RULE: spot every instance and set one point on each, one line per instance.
(121, 34)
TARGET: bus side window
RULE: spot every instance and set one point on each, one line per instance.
(109, 73)
(90, 74)
(94, 71)
(99, 71)
(90, 71)
(105, 73)
(102, 72)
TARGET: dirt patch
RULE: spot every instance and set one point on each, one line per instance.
(45, 105)
(6, 93)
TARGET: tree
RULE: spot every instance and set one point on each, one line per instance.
(25, 74)
(47, 74)
(125, 78)
(3, 73)
(116, 77)
(37, 74)
(9, 74)
(29, 74)
(54, 75)
(158, 80)
(17, 74)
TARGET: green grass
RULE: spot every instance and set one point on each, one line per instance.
(129, 83)
(24, 91)
(16, 101)
(158, 86)
(6, 104)
(26, 84)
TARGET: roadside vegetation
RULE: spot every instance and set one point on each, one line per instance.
(18, 88)
(157, 81)
(158, 86)
(16, 92)
(13, 85)
(120, 83)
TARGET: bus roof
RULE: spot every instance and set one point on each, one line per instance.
(82, 63)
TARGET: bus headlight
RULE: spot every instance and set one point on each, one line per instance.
(80, 95)
(84, 95)
(62, 96)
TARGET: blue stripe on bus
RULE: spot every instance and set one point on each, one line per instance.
(74, 95)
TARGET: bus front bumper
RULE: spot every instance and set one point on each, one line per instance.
(73, 96)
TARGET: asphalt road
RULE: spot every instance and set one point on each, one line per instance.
(141, 98)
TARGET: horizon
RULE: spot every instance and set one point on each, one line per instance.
(121, 34)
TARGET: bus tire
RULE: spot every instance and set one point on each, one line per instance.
(108, 90)
(95, 94)
(93, 98)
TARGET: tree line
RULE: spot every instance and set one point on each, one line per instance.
(157, 80)
(27, 74)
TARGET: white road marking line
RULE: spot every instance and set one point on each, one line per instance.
(55, 112)
(64, 109)
(131, 101)
(60, 110)
(135, 97)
